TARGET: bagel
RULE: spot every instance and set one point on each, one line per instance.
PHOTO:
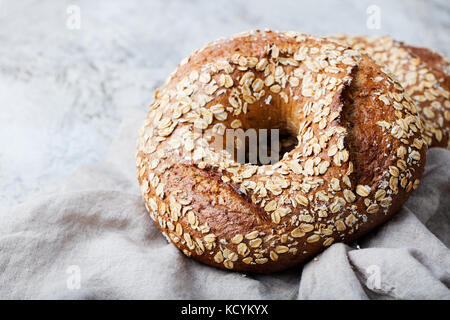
(423, 73)
(359, 151)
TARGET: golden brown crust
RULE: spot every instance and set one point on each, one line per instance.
(360, 150)
(423, 73)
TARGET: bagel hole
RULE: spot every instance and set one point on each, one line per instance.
(288, 143)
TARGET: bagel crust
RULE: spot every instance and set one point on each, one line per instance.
(423, 73)
(360, 150)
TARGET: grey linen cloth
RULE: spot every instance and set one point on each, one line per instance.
(94, 239)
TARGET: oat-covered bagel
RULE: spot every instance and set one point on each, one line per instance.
(423, 73)
(360, 150)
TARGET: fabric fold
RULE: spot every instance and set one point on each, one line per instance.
(93, 239)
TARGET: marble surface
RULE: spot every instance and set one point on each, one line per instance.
(64, 92)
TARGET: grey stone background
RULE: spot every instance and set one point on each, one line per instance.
(64, 93)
